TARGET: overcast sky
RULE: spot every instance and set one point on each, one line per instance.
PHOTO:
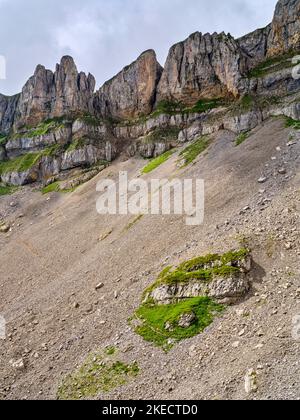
(105, 35)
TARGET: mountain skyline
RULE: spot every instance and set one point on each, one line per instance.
(103, 40)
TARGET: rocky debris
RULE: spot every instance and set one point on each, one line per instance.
(18, 364)
(251, 385)
(187, 320)
(131, 93)
(4, 227)
(70, 184)
(262, 180)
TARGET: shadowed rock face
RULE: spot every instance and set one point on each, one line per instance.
(8, 106)
(255, 45)
(48, 95)
(285, 28)
(132, 92)
(203, 66)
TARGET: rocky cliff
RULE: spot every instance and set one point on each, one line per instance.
(285, 29)
(132, 92)
(47, 94)
(209, 82)
(203, 66)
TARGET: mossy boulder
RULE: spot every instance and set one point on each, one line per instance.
(224, 278)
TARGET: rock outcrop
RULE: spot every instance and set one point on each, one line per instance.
(60, 120)
(132, 92)
(223, 280)
(203, 66)
(8, 106)
(285, 29)
(49, 95)
(255, 45)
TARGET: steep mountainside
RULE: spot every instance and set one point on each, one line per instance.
(132, 92)
(144, 306)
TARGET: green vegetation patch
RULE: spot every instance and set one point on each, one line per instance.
(169, 107)
(292, 123)
(90, 120)
(272, 65)
(3, 139)
(20, 164)
(43, 128)
(159, 323)
(27, 161)
(99, 373)
(7, 189)
(155, 163)
(205, 105)
(241, 138)
(165, 325)
(55, 187)
(77, 144)
(189, 154)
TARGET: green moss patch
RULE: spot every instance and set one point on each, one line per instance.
(43, 128)
(292, 123)
(205, 105)
(55, 187)
(169, 107)
(25, 162)
(162, 324)
(7, 189)
(77, 144)
(100, 373)
(3, 139)
(271, 65)
(190, 154)
(241, 138)
(159, 323)
(19, 164)
(155, 163)
(90, 120)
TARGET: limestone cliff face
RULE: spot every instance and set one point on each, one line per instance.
(255, 45)
(48, 94)
(285, 28)
(203, 66)
(8, 106)
(132, 92)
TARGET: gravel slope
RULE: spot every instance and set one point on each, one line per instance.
(54, 256)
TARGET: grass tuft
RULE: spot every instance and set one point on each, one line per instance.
(155, 163)
(154, 318)
(97, 374)
(291, 123)
(7, 189)
(191, 153)
(241, 138)
(272, 65)
(19, 164)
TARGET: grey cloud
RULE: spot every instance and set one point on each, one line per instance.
(104, 36)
